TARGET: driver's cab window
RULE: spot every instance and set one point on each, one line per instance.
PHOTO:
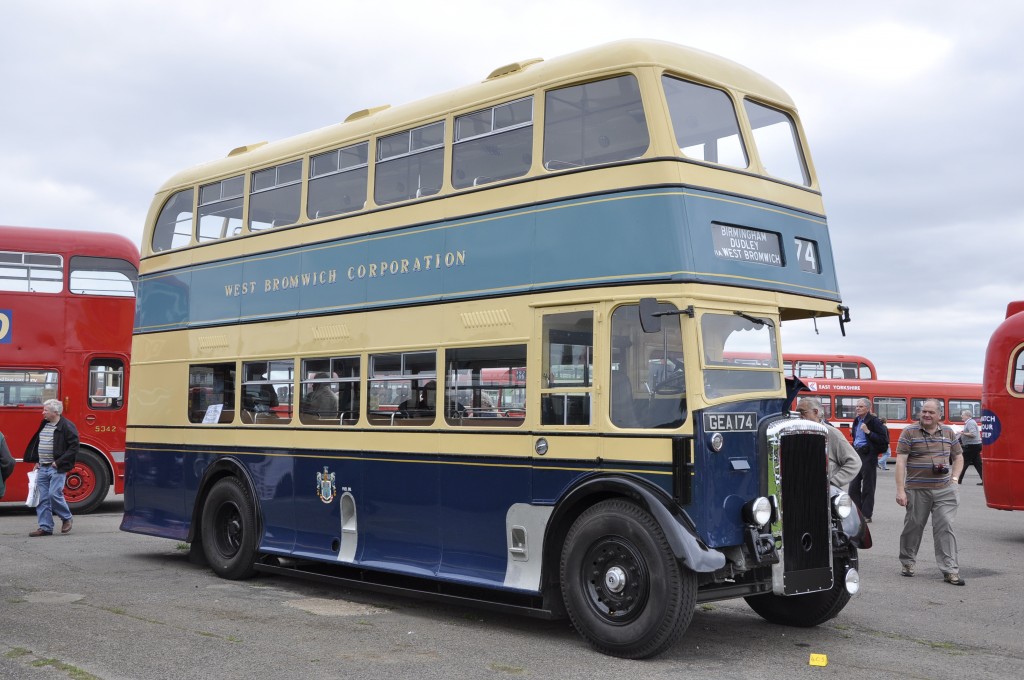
(568, 364)
(648, 383)
(739, 353)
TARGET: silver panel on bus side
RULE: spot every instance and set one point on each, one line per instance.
(524, 536)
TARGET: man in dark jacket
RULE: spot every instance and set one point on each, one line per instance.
(870, 438)
(53, 449)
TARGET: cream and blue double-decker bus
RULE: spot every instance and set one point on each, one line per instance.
(516, 343)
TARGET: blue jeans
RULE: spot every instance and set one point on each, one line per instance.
(884, 460)
(51, 497)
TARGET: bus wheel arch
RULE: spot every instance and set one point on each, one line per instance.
(88, 482)
(623, 587)
(226, 522)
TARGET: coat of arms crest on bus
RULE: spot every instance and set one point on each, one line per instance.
(325, 486)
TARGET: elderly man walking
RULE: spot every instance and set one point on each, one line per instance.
(53, 449)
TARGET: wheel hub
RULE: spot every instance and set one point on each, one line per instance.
(615, 580)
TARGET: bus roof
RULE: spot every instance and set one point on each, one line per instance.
(68, 241)
(503, 83)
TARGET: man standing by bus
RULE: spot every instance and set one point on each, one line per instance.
(928, 462)
(870, 438)
(843, 462)
(53, 449)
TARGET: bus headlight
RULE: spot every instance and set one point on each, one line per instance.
(757, 511)
(852, 581)
(842, 505)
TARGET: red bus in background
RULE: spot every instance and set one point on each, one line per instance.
(835, 366)
(898, 401)
(1002, 419)
(67, 304)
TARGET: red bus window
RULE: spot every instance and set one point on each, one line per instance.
(891, 408)
(21, 387)
(106, 383)
(1017, 384)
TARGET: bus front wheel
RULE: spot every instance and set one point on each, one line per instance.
(87, 484)
(624, 590)
(807, 611)
(229, 530)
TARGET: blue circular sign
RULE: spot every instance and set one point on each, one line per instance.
(989, 426)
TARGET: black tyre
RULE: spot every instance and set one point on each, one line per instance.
(87, 484)
(229, 530)
(807, 611)
(624, 590)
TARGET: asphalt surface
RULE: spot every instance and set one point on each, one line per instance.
(100, 603)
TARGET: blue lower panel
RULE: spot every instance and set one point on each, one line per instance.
(434, 516)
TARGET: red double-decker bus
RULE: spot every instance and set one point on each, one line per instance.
(898, 401)
(67, 303)
(1002, 419)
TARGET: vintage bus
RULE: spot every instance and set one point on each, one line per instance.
(67, 302)
(508, 315)
(1002, 417)
(898, 402)
(833, 366)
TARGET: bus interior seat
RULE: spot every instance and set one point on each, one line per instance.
(623, 405)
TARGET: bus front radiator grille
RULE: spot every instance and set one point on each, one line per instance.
(806, 520)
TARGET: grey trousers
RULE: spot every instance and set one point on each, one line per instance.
(941, 505)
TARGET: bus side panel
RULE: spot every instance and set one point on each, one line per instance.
(397, 508)
(475, 501)
(154, 497)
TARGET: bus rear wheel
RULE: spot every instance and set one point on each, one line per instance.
(807, 611)
(624, 590)
(229, 530)
(87, 484)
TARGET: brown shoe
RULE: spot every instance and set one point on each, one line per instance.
(40, 532)
(65, 528)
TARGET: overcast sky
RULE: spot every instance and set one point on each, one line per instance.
(913, 111)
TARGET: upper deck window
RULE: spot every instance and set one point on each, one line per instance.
(274, 196)
(410, 164)
(598, 122)
(704, 121)
(102, 276)
(777, 143)
(493, 144)
(31, 272)
(220, 209)
(337, 181)
(1017, 373)
(173, 228)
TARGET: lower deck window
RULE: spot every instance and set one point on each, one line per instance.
(267, 392)
(330, 391)
(211, 393)
(485, 386)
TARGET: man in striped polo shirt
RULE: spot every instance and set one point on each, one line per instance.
(53, 449)
(928, 463)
